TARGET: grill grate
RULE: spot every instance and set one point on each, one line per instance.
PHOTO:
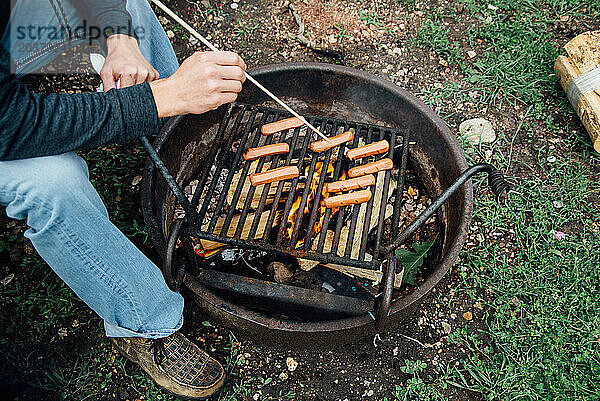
(239, 130)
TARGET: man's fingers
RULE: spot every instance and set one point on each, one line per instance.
(108, 80)
(227, 97)
(128, 78)
(142, 76)
(230, 85)
(224, 58)
(232, 72)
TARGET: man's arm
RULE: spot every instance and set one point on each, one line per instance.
(34, 125)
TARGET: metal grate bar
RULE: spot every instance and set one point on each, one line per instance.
(265, 193)
(306, 193)
(280, 184)
(243, 177)
(317, 201)
(356, 208)
(365, 233)
(236, 160)
(291, 196)
(217, 173)
(336, 176)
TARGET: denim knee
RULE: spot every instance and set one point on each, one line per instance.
(41, 188)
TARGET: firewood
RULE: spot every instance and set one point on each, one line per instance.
(258, 191)
(584, 56)
(260, 230)
(373, 275)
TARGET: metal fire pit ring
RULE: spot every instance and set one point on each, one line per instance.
(333, 91)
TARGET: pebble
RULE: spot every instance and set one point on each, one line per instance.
(234, 6)
(291, 363)
(477, 130)
(6, 280)
(558, 204)
(468, 316)
(170, 34)
(471, 54)
(446, 327)
(551, 159)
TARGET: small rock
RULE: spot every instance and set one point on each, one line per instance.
(291, 363)
(170, 34)
(234, 6)
(564, 18)
(397, 51)
(558, 204)
(471, 54)
(136, 180)
(477, 130)
(370, 393)
(281, 272)
(62, 332)
(443, 62)
(446, 327)
(283, 376)
(478, 305)
(395, 351)
(468, 316)
(492, 7)
(6, 280)
(551, 159)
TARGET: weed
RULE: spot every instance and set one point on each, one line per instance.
(416, 389)
(434, 36)
(341, 32)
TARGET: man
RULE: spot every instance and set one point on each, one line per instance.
(44, 182)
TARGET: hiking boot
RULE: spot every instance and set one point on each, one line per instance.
(176, 364)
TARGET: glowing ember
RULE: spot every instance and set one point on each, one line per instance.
(293, 215)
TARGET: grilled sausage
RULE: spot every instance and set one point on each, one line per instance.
(267, 150)
(370, 168)
(375, 148)
(278, 174)
(351, 198)
(281, 125)
(323, 145)
(352, 183)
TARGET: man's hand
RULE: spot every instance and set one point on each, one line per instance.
(125, 62)
(202, 83)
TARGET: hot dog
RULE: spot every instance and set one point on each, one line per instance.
(375, 148)
(281, 125)
(268, 150)
(277, 174)
(323, 145)
(370, 168)
(352, 183)
(351, 198)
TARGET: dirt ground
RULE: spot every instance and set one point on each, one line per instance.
(262, 32)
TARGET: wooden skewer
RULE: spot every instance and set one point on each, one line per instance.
(250, 78)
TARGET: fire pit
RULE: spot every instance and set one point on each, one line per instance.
(284, 224)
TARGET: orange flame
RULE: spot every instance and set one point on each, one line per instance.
(293, 214)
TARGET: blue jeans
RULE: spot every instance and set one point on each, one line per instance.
(70, 229)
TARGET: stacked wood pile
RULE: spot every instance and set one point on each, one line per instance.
(580, 78)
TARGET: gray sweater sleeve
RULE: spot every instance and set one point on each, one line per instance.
(34, 125)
